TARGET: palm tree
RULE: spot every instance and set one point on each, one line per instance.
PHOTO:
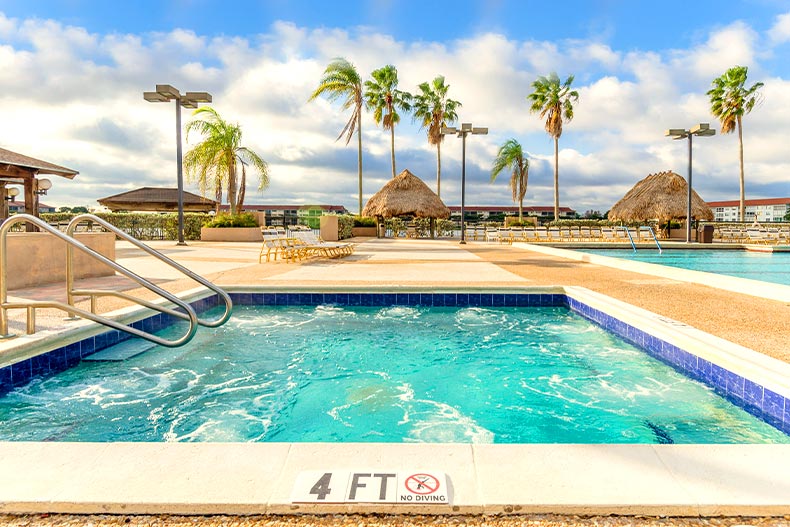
(511, 156)
(215, 160)
(554, 101)
(341, 81)
(729, 102)
(385, 99)
(435, 110)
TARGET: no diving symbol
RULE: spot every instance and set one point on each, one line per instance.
(422, 484)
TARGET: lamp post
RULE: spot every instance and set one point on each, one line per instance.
(167, 93)
(466, 129)
(703, 130)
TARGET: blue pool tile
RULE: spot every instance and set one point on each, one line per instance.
(497, 300)
(753, 394)
(72, 354)
(450, 300)
(735, 385)
(511, 300)
(437, 300)
(21, 373)
(402, 299)
(522, 300)
(5, 380)
(244, 299)
(354, 299)
(281, 299)
(57, 360)
(486, 300)
(773, 404)
(415, 299)
(462, 299)
(474, 300)
(305, 299)
(88, 346)
(786, 418)
(316, 299)
(342, 299)
(39, 365)
(269, 299)
(389, 299)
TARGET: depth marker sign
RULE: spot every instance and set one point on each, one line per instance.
(371, 486)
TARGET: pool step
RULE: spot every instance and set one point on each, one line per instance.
(125, 350)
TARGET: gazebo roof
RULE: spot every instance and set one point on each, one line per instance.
(406, 194)
(156, 199)
(30, 164)
(661, 196)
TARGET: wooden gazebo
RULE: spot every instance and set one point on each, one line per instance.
(156, 199)
(18, 169)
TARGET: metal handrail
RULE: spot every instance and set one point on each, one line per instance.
(628, 233)
(156, 254)
(655, 238)
(32, 305)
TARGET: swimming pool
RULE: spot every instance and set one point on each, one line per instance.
(496, 368)
(766, 267)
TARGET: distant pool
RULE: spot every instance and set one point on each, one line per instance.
(332, 373)
(766, 267)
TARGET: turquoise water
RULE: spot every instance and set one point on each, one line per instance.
(767, 267)
(394, 374)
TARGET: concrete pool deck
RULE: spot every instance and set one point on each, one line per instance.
(571, 479)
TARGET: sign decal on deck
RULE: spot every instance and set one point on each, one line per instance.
(371, 486)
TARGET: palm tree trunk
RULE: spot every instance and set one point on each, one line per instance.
(742, 207)
(242, 189)
(520, 209)
(359, 159)
(556, 178)
(439, 169)
(392, 144)
(232, 187)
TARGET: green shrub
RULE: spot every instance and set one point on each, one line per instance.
(345, 223)
(143, 226)
(221, 221)
(364, 221)
(445, 227)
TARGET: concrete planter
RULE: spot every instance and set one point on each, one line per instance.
(39, 258)
(363, 231)
(231, 234)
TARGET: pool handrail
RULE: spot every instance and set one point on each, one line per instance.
(32, 305)
(93, 293)
(628, 234)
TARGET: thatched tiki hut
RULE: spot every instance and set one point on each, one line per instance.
(406, 194)
(662, 196)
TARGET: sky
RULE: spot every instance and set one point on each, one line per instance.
(74, 72)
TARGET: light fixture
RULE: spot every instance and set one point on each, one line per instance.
(466, 129)
(701, 129)
(42, 186)
(191, 99)
(11, 193)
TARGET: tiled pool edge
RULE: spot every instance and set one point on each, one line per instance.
(767, 401)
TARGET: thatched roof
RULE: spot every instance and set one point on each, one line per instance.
(156, 199)
(406, 194)
(661, 196)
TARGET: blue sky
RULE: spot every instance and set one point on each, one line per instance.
(76, 70)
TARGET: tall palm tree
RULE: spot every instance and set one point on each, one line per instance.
(385, 99)
(215, 160)
(341, 81)
(511, 156)
(435, 110)
(554, 101)
(729, 102)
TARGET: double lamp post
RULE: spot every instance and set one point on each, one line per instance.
(191, 99)
(702, 130)
(466, 129)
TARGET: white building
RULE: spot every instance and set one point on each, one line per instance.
(761, 210)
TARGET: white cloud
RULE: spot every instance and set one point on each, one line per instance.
(780, 32)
